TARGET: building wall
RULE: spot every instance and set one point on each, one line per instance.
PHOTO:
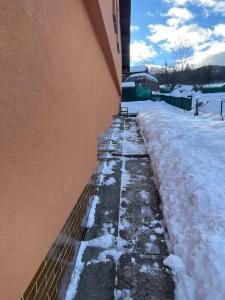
(58, 92)
(152, 84)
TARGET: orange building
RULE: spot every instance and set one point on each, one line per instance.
(60, 79)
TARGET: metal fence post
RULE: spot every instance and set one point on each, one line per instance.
(221, 110)
(196, 108)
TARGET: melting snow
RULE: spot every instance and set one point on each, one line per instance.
(124, 294)
(188, 155)
(91, 217)
(110, 181)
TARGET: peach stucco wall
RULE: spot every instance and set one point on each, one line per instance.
(57, 94)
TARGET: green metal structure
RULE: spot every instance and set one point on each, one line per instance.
(130, 94)
(210, 90)
(136, 94)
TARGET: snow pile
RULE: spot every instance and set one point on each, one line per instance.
(188, 155)
(184, 91)
(210, 102)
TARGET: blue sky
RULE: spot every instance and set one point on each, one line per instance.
(158, 26)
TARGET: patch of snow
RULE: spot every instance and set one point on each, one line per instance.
(144, 195)
(153, 237)
(152, 248)
(105, 241)
(156, 266)
(133, 260)
(79, 266)
(154, 223)
(146, 211)
(125, 176)
(110, 181)
(159, 230)
(175, 263)
(91, 216)
(105, 255)
(108, 168)
(147, 269)
(124, 294)
(188, 158)
(183, 91)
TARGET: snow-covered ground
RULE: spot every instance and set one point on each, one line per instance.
(136, 106)
(188, 158)
(211, 102)
(212, 85)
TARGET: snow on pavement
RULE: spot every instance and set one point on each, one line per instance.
(188, 156)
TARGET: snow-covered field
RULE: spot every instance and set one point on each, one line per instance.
(188, 158)
(211, 102)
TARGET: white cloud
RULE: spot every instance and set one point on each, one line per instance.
(178, 2)
(214, 5)
(215, 54)
(207, 44)
(140, 52)
(220, 30)
(150, 14)
(179, 12)
(178, 16)
(195, 34)
(134, 28)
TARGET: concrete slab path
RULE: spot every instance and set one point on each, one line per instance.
(124, 248)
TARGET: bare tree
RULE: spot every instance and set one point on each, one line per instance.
(165, 73)
(182, 53)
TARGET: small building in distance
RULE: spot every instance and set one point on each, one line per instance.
(144, 79)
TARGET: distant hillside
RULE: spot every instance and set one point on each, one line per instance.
(201, 75)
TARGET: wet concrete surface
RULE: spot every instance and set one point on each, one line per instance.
(125, 248)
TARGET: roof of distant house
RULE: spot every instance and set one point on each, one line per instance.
(146, 75)
(128, 84)
(138, 69)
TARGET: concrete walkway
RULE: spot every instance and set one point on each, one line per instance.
(122, 255)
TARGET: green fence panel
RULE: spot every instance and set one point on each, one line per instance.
(136, 94)
(145, 93)
(176, 101)
(186, 103)
(209, 90)
(180, 102)
(165, 90)
(156, 98)
(128, 94)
